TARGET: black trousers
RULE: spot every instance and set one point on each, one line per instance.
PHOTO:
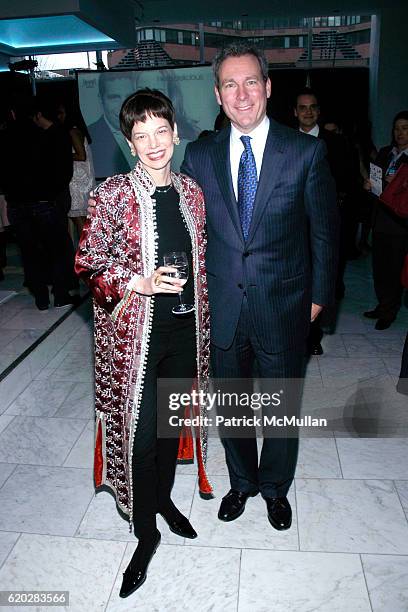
(42, 234)
(275, 473)
(172, 354)
(389, 252)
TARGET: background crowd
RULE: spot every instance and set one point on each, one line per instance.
(46, 173)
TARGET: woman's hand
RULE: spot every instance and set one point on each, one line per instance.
(159, 282)
(366, 185)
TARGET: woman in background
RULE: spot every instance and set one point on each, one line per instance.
(83, 179)
(390, 232)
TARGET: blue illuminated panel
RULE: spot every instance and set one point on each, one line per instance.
(48, 31)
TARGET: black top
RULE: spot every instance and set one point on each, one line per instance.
(36, 164)
(55, 162)
(342, 160)
(173, 235)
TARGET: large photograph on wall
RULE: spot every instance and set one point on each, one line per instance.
(101, 95)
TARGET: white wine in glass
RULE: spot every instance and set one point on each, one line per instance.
(179, 261)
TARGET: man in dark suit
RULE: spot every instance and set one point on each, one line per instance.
(271, 259)
(38, 200)
(307, 112)
(340, 158)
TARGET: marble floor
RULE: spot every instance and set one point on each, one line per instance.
(348, 545)
(22, 325)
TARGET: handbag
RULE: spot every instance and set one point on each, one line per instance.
(395, 195)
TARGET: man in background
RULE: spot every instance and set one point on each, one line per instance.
(307, 112)
(36, 187)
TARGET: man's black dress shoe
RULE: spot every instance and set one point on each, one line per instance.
(181, 527)
(384, 324)
(372, 314)
(63, 301)
(279, 512)
(233, 505)
(41, 305)
(42, 300)
(136, 572)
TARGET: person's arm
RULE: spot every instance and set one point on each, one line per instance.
(78, 143)
(95, 263)
(56, 156)
(321, 208)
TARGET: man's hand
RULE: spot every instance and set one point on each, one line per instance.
(316, 310)
(91, 203)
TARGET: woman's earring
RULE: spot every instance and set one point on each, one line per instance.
(176, 140)
(132, 151)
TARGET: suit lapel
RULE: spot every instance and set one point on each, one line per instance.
(222, 169)
(272, 162)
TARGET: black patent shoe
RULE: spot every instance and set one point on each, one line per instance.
(279, 512)
(181, 527)
(136, 572)
(233, 505)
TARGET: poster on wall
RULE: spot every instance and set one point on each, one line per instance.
(101, 95)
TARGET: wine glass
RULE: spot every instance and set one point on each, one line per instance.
(179, 261)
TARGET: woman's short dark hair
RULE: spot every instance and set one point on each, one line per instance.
(142, 104)
(238, 49)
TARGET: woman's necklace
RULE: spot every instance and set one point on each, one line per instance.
(165, 189)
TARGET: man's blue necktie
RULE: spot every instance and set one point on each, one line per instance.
(247, 184)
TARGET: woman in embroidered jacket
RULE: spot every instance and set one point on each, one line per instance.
(138, 217)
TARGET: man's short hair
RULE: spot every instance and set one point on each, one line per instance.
(306, 91)
(142, 104)
(238, 49)
(401, 115)
(42, 104)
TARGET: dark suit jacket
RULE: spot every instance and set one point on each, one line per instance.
(342, 160)
(290, 256)
(107, 157)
